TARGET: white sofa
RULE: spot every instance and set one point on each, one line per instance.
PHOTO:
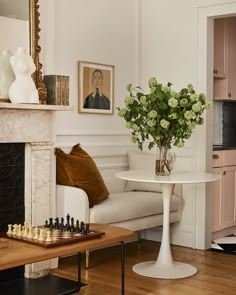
(132, 205)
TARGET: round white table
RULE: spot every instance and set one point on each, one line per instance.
(164, 267)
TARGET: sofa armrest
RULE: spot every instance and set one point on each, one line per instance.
(73, 201)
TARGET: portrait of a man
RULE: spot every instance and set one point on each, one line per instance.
(96, 93)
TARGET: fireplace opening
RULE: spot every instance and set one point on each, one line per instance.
(12, 205)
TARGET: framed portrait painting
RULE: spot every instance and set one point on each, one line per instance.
(96, 88)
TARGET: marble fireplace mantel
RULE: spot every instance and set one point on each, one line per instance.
(43, 107)
(34, 125)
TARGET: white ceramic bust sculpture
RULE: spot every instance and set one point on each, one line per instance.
(23, 89)
(7, 75)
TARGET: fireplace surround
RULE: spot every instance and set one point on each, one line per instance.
(33, 126)
(12, 182)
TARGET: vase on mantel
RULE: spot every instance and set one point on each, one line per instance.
(165, 160)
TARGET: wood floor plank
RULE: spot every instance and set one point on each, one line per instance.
(216, 272)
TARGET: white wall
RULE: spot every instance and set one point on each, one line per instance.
(15, 33)
(18, 9)
(167, 39)
(94, 31)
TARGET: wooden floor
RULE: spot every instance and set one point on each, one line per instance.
(216, 272)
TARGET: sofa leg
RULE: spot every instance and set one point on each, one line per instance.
(87, 259)
(139, 238)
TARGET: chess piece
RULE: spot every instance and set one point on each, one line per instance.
(46, 224)
(56, 224)
(9, 232)
(77, 230)
(72, 227)
(36, 233)
(87, 230)
(19, 232)
(48, 237)
(61, 227)
(50, 223)
(14, 229)
(30, 234)
(41, 234)
(82, 228)
(25, 232)
(67, 226)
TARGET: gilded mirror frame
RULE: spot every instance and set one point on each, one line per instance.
(36, 49)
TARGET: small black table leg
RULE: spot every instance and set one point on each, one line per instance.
(79, 270)
(122, 268)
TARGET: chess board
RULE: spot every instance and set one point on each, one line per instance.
(52, 233)
(3, 243)
(59, 237)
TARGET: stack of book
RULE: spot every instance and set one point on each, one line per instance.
(57, 89)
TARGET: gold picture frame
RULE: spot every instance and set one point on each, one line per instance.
(96, 88)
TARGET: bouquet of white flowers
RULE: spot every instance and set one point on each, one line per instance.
(162, 117)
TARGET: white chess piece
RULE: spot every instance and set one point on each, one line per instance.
(23, 89)
(14, 229)
(18, 231)
(7, 75)
(30, 234)
(25, 232)
(41, 234)
(36, 234)
(48, 238)
(9, 232)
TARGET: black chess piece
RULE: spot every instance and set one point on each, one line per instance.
(67, 226)
(77, 229)
(82, 228)
(87, 230)
(46, 224)
(50, 223)
(72, 226)
(62, 224)
(56, 224)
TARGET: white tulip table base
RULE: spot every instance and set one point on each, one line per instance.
(175, 270)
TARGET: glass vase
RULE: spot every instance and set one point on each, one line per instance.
(165, 160)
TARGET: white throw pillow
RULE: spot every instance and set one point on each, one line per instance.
(142, 161)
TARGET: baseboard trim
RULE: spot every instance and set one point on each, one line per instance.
(178, 237)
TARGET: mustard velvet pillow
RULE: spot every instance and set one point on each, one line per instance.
(78, 169)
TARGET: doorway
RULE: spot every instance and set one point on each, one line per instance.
(206, 15)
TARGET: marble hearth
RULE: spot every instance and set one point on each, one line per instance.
(34, 125)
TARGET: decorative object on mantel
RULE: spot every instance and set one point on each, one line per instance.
(23, 89)
(162, 117)
(7, 75)
(57, 89)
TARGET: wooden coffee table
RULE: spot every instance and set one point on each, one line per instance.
(18, 253)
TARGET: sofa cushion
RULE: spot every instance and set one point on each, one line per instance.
(137, 205)
(142, 161)
(79, 170)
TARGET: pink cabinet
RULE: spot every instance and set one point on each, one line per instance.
(220, 45)
(231, 59)
(217, 192)
(224, 59)
(224, 191)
